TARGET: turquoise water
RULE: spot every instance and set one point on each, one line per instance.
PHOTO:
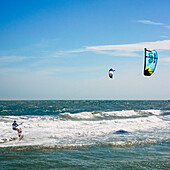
(82, 135)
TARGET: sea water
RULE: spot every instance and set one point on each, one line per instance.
(85, 134)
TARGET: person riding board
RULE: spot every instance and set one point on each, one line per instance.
(14, 127)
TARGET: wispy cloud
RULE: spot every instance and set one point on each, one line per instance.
(150, 22)
(7, 59)
(18, 60)
(167, 26)
(164, 36)
(125, 49)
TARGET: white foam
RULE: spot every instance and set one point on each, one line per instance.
(52, 130)
(154, 112)
(92, 115)
(123, 113)
(82, 115)
(131, 143)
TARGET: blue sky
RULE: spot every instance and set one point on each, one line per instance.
(63, 49)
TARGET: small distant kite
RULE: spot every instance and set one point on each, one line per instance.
(151, 58)
(111, 71)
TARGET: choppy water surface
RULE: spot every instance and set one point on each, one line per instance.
(84, 134)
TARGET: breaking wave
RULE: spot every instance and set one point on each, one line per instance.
(85, 127)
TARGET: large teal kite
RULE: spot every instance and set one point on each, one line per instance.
(151, 58)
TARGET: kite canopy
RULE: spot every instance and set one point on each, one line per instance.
(111, 71)
(151, 58)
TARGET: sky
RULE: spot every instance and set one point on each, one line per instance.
(63, 49)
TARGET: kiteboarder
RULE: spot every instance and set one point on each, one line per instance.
(14, 127)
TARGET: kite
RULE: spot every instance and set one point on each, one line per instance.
(151, 58)
(111, 71)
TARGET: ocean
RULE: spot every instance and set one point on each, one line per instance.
(85, 134)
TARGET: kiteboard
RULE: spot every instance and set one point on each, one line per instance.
(13, 138)
(21, 137)
(4, 140)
